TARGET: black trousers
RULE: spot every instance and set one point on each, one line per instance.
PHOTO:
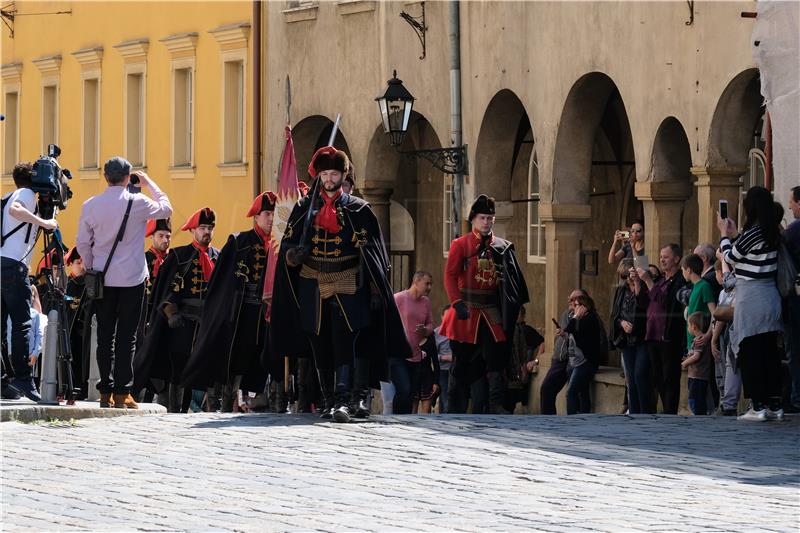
(760, 362)
(16, 304)
(118, 315)
(665, 363)
(555, 380)
(473, 362)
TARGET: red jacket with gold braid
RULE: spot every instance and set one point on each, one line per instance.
(475, 280)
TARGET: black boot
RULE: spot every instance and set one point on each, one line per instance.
(326, 382)
(360, 394)
(497, 392)
(343, 412)
(175, 400)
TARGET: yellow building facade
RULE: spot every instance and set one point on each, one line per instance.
(165, 84)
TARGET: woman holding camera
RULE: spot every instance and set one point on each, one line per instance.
(632, 243)
(756, 326)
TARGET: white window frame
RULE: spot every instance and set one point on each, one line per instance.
(135, 69)
(448, 231)
(233, 168)
(88, 76)
(184, 169)
(47, 83)
(535, 228)
(11, 85)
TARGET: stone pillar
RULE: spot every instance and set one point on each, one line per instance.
(378, 198)
(563, 233)
(663, 213)
(715, 184)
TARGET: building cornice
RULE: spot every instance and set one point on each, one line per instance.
(133, 49)
(48, 65)
(89, 57)
(12, 72)
(232, 34)
(180, 42)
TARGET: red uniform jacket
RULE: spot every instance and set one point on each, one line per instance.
(475, 281)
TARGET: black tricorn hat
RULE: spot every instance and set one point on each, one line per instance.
(483, 205)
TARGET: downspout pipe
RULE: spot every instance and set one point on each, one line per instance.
(257, 162)
(454, 34)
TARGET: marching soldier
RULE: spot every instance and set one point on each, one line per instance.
(228, 350)
(161, 232)
(79, 318)
(331, 289)
(178, 297)
(486, 290)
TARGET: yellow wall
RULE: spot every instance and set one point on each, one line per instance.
(107, 24)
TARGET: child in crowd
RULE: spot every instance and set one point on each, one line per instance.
(698, 363)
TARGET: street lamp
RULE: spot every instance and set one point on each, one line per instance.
(395, 107)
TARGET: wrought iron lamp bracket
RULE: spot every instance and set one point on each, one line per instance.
(451, 160)
(419, 27)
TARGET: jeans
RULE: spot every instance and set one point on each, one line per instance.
(557, 376)
(444, 386)
(698, 389)
(580, 381)
(665, 361)
(405, 377)
(637, 374)
(733, 382)
(118, 315)
(16, 303)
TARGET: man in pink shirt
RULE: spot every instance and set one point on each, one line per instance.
(415, 312)
(119, 309)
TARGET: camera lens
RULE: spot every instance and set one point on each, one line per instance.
(135, 179)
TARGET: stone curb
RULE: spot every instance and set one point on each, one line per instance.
(31, 412)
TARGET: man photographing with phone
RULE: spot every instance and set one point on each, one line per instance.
(20, 230)
(115, 244)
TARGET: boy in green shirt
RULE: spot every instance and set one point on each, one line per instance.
(702, 297)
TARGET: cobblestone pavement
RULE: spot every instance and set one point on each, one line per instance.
(467, 473)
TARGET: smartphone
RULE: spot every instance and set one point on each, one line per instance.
(555, 323)
(641, 261)
(624, 234)
(723, 209)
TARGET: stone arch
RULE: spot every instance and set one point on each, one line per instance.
(735, 118)
(671, 159)
(413, 184)
(504, 148)
(310, 134)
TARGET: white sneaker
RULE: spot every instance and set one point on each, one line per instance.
(753, 415)
(775, 415)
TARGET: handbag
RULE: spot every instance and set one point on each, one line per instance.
(95, 279)
(724, 313)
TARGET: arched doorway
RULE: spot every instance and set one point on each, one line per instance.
(669, 198)
(309, 135)
(594, 163)
(505, 168)
(413, 193)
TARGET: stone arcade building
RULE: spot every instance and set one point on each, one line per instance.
(579, 119)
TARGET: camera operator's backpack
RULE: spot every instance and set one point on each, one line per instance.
(4, 236)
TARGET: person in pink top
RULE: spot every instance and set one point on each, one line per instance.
(415, 312)
(118, 311)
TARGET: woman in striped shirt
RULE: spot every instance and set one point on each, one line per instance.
(757, 319)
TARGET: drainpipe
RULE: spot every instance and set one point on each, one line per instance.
(454, 33)
(256, 98)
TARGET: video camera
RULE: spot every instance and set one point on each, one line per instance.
(50, 181)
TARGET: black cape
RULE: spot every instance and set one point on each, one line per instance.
(385, 337)
(513, 289)
(151, 359)
(210, 357)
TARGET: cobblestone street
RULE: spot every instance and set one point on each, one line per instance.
(466, 473)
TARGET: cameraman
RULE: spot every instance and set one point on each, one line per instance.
(119, 309)
(20, 229)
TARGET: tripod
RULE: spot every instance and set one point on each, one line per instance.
(55, 279)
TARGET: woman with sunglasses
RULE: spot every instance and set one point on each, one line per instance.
(632, 245)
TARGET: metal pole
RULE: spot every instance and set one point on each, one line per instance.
(454, 32)
(93, 394)
(49, 383)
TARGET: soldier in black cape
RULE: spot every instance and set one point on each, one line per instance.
(228, 350)
(331, 290)
(177, 299)
(79, 320)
